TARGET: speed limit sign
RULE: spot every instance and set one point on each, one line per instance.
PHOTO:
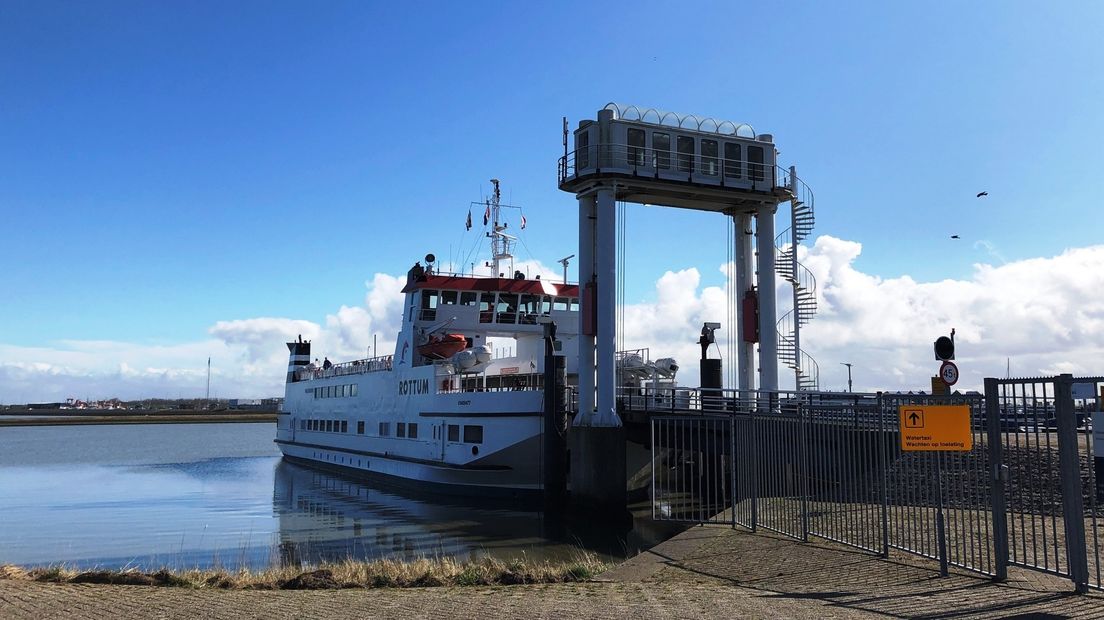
(949, 373)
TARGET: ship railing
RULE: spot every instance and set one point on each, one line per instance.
(355, 367)
(458, 384)
(669, 164)
(470, 273)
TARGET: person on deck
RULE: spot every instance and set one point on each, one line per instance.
(327, 364)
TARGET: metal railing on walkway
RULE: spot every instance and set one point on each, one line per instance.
(831, 466)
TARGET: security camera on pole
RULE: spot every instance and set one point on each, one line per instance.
(945, 352)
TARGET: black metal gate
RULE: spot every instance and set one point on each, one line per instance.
(830, 465)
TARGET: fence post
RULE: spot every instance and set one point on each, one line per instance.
(732, 464)
(883, 452)
(997, 476)
(1069, 462)
(753, 427)
(803, 463)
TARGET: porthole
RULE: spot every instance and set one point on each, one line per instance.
(475, 450)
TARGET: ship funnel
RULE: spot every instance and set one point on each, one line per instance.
(300, 357)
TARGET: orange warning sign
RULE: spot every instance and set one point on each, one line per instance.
(935, 427)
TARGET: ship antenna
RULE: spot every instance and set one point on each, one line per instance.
(500, 242)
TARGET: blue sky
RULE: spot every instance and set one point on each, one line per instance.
(164, 166)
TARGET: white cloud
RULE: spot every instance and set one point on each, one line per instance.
(1046, 314)
(248, 356)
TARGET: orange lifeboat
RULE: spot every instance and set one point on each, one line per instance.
(444, 346)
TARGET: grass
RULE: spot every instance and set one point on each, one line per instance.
(350, 573)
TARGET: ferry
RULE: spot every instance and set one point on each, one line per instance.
(459, 406)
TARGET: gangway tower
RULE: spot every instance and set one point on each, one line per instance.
(661, 158)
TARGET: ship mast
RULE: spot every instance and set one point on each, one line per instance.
(501, 243)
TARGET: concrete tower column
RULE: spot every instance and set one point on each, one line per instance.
(587, 231)
(768, 336)
(605, 250)
(745, 274)
(597, 438)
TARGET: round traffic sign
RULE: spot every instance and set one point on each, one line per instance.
(949, 373)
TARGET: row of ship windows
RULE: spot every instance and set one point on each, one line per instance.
(496, 307)
(336, 391)
(472, 433)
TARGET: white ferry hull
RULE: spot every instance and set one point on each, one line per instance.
(396, 427)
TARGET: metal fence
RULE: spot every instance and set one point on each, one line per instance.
(830, 465)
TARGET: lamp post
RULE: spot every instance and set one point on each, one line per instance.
(848, 364)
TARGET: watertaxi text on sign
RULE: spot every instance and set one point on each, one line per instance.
(935, 427)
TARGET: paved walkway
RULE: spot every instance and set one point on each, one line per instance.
(710, 572)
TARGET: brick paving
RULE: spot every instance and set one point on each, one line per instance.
(706, 572)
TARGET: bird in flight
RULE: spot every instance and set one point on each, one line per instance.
(980, 194)
(955, 237)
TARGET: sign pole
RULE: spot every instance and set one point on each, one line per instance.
(940, 527)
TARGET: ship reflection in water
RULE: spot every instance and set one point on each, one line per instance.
(324, 516)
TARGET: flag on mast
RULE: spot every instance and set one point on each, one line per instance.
(487, 215)
(467, 225)
(523, 221)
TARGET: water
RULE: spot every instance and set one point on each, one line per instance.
(218, 495)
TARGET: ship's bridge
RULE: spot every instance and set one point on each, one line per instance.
(716, 164)
(491, 301)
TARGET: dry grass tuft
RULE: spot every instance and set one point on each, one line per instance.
(424, 572)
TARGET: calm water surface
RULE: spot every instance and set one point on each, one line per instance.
(186, 495)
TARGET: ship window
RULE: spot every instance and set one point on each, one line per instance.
(473, 434)
(661, 146)
(318, 392)
(755, 162)
(400, 429)
(636, 147)
(685, 147)
(453, 432)
(340, 391)
(412, 430)
(360, 427)
(530, 307)
(486, 307)
(582, 152)
(574, 304)
(709, 157)
(448, 297)
(468, 299)
(329, 426)
(732, 163)
(429, 305)
(546, 305)
(344, 426)
(561, 303)
(384, 429)
(302, 425)
(352, 389)
(506, 308)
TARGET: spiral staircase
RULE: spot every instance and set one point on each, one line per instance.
(802, 218)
